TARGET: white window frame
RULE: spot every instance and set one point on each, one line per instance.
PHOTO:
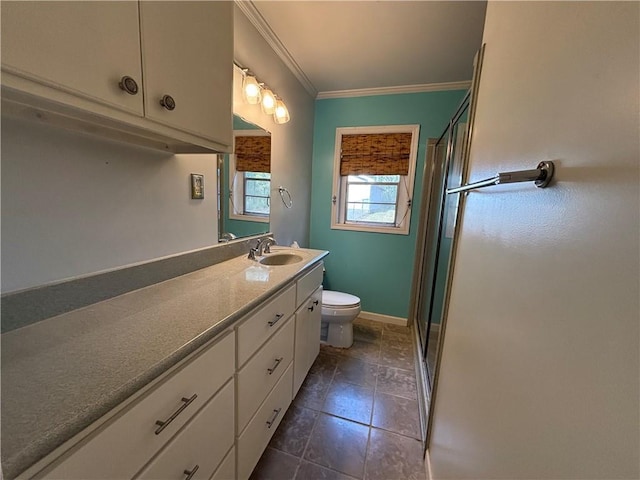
(338, 196)
(236, 183)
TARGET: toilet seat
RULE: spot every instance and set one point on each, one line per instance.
(339, 300)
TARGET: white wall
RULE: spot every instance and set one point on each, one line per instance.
(73, 204)
(540, 369)
(291, 143)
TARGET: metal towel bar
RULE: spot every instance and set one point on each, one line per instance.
(542, 175)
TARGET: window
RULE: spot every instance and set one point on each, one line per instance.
(374, 170)
(256, 193)
(250, 171)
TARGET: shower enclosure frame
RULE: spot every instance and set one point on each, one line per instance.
(437, 170)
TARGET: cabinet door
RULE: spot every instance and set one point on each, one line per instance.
(313, 327)
(83, 48)
(307, 340)
(187, 53)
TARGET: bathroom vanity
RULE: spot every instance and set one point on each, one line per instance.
(188, 378)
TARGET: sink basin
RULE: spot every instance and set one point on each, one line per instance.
(280, 259)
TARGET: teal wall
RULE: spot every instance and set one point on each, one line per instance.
(377, 267)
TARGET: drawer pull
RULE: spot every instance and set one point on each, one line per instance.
(191, 473)
(273, 419)
(275, 320)
(275, 365)
(187, 401)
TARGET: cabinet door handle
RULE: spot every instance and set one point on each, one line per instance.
(273, 419)
(163, 424)
(315, 302)
(191, 473)
(275, 320)
(128, 85)
(310, 308)
(168, 102)
(275, 365)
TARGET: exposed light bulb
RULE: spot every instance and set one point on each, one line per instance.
(251, 90)
(268, 102)
(281, 114)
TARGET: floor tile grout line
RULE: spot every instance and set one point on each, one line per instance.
(306, 445)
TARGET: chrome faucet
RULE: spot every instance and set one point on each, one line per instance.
(264, 245)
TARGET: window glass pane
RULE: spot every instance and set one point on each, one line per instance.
(257, 205)
(371, 212)
(372, 193)
(257, 187)
(371, 203)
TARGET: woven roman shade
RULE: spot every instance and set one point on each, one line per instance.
(253, 154)
(375, 154)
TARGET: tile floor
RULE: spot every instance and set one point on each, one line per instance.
(355, 416)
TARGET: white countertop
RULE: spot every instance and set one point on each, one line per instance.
(61, 374)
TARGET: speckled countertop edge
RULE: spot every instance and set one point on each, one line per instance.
(62, 374)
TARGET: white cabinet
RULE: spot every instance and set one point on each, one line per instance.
(83, 48)
(68, 59)
(263, 425)
(307, 345)
(259, 326)
(125, 444)
(187, 53)
(260, 374)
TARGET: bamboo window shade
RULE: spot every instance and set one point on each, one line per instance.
(375, 154)
(253, 154)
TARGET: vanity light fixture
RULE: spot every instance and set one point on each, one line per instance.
(268, 102)
(255, 93)
(251, 90)
(281, 115)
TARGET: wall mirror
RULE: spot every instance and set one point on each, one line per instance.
(244, 183)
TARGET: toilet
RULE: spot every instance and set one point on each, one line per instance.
(339, 310)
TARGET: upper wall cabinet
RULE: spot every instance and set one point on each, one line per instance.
(153, 73)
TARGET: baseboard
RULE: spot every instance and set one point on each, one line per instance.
(378, 317)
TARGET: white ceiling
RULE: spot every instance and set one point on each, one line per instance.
(336, 45)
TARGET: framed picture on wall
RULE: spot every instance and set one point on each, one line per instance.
(197, 186)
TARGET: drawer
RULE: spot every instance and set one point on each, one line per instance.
(308, 284)
(260, 374)
(227, 469)
(262, 324)
(201, 445)
(125, 444)
(263, 425)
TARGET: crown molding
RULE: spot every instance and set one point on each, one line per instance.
(255, 17)
(365, 92)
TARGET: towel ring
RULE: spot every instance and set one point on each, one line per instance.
(287, 203)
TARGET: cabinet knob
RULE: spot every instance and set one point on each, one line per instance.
(129, 85)
(168, 102)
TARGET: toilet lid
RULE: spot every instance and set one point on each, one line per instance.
(339, 299)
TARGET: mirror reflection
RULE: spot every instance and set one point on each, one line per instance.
(245, 183)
